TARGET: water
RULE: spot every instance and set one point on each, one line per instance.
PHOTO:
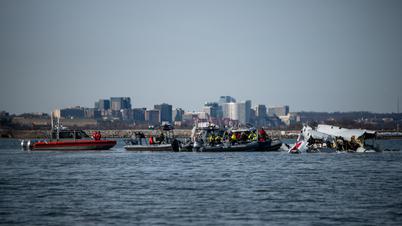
(124, 188)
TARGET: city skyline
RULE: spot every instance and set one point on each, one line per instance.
(311, 55)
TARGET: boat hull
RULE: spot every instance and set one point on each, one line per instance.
(232, 148)
(271, 145)
(156, 147)
(74, 145)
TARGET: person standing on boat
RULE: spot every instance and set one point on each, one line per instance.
(233, 138)
(262, 135)
(97, 135)
(252, 136)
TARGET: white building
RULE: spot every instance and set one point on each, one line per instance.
(239, 111)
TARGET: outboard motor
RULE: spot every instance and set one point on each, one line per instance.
(30, 143)
(176, 145)
(198, 145)
(24, 144)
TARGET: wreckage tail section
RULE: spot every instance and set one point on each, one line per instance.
(297, 148)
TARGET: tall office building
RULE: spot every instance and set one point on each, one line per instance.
(178, 114)
(139, 114)
(74, 112)
(278, 111)
(213, 109)
(240, 111)
(165, 112)
(261, 111)
(152, 117)
(102, 104)
(223, 103)
(118, 103)
(226, 99)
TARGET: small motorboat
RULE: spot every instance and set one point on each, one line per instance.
(208, 137)
(63, 139)
(164, 141)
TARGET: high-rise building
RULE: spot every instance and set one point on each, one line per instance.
(248, 110)
(139, 114)
(261, 111)
(152, 117)
(226, 99)
(213, 109)
(223, 101)
(165, 112)
(178, 114)
(102, 104)
(278, 111)
(118, 103)
(92, 113)
(126, 114)
(239, 111)
(74, 112)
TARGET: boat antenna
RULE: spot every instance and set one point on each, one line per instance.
(51, 125)
(58, 128)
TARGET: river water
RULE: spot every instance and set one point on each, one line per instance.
(117, 187)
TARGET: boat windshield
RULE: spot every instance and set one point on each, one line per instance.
(70, 134)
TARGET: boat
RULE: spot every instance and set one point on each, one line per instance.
(74, 145)
(329, 138)
(64, 139)
(208, 137)
(164, 141)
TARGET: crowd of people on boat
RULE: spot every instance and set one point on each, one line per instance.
(139, 138)
(235, 137)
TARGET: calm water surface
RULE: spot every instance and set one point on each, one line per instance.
(124, 188)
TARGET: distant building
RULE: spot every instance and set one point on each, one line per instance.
(178, 115)
(139, 115)
(223, 103)
(226, 99)
(261, 111)
(240, 111)
(191, 117)
(152, 117)
(289, 119)
(213, 109)
(126, 114)
(74, 112)
(278, 111)
(118, 103)
(102, 104)
(165, 112)
(92, 113)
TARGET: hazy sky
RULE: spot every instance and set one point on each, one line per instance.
(312, 55)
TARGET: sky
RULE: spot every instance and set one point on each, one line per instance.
(313, 55)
